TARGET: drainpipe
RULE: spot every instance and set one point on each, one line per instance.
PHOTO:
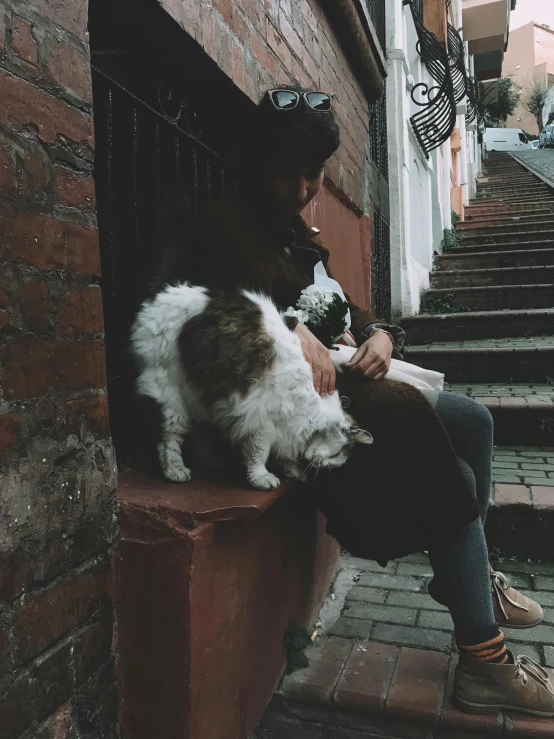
(398, 110)
(463, 168)
(446, 200)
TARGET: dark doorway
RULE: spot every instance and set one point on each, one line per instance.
(161, 113)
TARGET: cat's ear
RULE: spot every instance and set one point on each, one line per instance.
(361, 436)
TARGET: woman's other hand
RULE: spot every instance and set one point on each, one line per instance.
(317, 356)
(373, 357)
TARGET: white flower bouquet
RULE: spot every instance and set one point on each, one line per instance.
(323, 311)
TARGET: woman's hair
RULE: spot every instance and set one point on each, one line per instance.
(302, 136)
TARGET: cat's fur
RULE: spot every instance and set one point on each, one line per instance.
(229, 358)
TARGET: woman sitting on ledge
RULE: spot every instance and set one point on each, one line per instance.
(424, 485)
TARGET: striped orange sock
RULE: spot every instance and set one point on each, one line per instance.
(490, 649)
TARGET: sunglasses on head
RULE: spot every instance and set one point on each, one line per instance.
(289, 99)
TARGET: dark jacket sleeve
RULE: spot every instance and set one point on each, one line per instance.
(364, 321)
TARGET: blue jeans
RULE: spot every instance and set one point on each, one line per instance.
(461, 564)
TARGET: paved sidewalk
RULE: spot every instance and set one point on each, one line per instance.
(540, 162)
(390, 605)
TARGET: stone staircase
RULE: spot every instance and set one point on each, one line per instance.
(382, 666)
(487, 320)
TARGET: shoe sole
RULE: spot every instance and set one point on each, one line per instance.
(480, 708)
(520, 626)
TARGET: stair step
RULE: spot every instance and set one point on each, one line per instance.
(523, 414)
(501, 221)
(520, 360)
(519, 202)
(518, 193)
(384, 663)
(531, 188)
(504, 246)
(493, 259)
(516, 232)
(493, 276)
(426, 328)
(493, 298)
(523, 501)
(516, 224)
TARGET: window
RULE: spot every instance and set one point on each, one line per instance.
(523, 138)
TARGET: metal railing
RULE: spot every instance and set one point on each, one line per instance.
(376, 10)
(381, 272)
(436, 118)
(143, 145)
(378, 143)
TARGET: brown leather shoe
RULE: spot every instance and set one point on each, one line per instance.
(485, 687)
(512, 609)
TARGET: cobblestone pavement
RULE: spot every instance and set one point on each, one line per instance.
(523, 342)
(391, 605)
(540, 161)
(523, 465)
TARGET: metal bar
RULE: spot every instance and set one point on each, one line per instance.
(164, 118)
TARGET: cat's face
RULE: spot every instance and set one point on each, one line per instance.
(330, 447)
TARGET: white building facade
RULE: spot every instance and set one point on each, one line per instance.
(427, 181)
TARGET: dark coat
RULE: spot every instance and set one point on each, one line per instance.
(407, 490)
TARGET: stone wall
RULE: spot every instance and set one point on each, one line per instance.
(58, 469)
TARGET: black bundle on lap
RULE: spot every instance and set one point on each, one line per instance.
(406, 491)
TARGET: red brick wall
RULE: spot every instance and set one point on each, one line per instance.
(348, 237)
(57, 463)
(263, 43)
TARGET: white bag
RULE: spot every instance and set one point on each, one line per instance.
(423, 379)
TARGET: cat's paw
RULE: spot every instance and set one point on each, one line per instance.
(171, 462)
(264, 480)
(177, 473)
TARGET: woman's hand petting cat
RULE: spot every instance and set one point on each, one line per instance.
(373, 357)
(317, 355)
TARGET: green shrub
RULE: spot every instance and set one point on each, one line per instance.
(451, 240)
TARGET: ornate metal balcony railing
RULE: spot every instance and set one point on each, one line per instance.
(474, 106)
(457, 64)
(464, 85)
(436, 119)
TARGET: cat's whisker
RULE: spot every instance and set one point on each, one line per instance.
(310, 465)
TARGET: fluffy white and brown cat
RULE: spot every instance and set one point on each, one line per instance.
(232, 360)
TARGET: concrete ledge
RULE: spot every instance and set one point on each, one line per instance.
(206, 576)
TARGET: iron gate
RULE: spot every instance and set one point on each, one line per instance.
(376, 9)
(381, 272)
(381, 269)
(151, 131)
